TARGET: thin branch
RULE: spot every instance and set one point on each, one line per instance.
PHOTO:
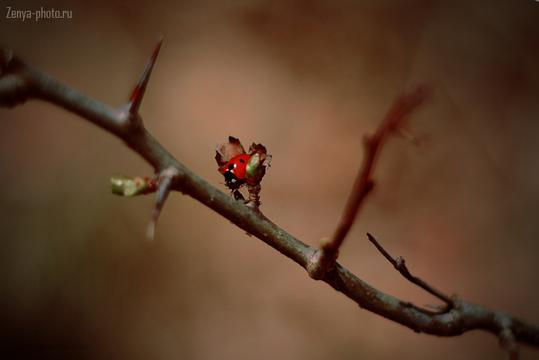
(20, 82)
(400, 266)
(393, 121)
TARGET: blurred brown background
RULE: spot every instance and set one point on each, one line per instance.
(307, 79)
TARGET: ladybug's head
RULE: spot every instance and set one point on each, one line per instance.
(231, 180)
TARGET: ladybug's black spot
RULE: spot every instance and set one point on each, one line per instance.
(242, 161)
(230, 166)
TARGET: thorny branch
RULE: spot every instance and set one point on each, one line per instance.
(20, 82)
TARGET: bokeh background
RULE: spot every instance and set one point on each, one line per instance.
(307, 79)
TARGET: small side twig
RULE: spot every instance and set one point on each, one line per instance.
(508, 341)
(363, 185)
(401, 267)
(166, 181)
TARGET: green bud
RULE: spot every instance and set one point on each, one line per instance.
(124, 186)
(252, 166)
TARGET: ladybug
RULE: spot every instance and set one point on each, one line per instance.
(235, 171)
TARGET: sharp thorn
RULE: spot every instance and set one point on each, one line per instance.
(138, 92)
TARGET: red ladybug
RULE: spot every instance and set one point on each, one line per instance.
(234, 171)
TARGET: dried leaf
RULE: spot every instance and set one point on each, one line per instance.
(228, 150)
(258, 149)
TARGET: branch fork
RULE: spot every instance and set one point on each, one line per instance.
(15, 88)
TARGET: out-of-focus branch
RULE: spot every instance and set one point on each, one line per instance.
(20, 82)
(403, 106)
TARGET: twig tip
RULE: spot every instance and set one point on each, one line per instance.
(150, 230)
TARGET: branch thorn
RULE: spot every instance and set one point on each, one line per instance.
(138, 92)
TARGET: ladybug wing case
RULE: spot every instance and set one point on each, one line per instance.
(234, 171)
